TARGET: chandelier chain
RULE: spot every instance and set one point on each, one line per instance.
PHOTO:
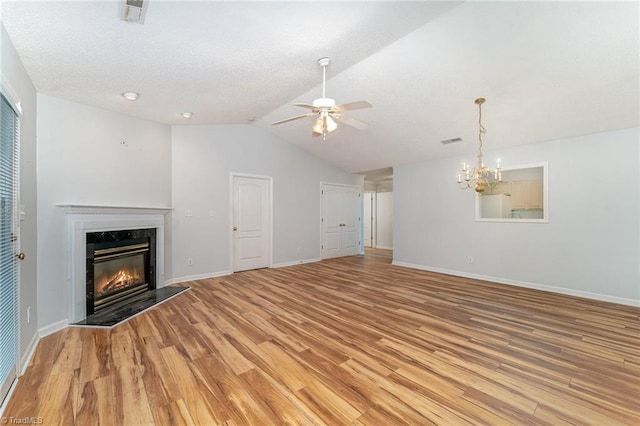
(481, 128)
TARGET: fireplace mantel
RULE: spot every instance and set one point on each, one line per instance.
(83, 219)
(93, 209)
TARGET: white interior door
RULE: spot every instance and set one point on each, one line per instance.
(340, 220)
(251, 223)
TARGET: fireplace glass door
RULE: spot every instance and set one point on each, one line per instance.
(117, 272)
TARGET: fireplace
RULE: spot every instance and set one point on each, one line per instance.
(120, 266)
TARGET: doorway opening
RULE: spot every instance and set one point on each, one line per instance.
(378, 209)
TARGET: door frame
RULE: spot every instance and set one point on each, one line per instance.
(372, 219)
(360, 226)
(269, 179)
(16, 104)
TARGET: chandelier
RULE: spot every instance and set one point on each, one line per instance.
(480, 177)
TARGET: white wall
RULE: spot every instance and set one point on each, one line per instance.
(203, 159)
(384, 220)
(82, 160)
(14, 74)
(590, 247)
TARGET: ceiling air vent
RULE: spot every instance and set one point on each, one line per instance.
(134, 10)
(448, 141)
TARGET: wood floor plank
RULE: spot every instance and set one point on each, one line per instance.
(201, 408)
(175, 413)
(96, 402)
(352, 340)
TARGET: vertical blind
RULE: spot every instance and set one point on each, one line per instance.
(9, 137)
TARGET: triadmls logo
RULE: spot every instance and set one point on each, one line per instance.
(22, 420)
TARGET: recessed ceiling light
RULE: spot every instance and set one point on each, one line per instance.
(187, 114)
(131, 96)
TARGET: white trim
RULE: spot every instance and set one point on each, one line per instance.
(186, 278)
(11, 95)
(545, 196)
(31, 349)
(296, 262)
(384, 247)
(7, 397)
(52, 328)
(525, 284)
(94, 209)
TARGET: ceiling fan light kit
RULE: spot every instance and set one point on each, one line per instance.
(327, 112)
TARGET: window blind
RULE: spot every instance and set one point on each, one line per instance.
(9, 137)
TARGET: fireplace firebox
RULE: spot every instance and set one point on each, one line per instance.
(120, 266)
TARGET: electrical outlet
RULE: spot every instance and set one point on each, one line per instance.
(211, 213)
(190, 261)
(470, 259)
(188, 213)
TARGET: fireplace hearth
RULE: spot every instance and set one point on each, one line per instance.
(120, 266)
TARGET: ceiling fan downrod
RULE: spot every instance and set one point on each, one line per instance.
(324, 63)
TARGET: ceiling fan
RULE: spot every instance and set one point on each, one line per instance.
(328, 112)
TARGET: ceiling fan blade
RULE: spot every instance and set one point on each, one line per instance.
(308, 106)
(353, 105)
(361, 125)
(316, 134)
(297, 117)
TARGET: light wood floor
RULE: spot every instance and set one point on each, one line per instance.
(345, 341)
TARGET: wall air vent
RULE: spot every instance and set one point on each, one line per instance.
(448, 141)
(134, 10)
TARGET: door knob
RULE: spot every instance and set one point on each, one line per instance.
(235, 228)
(20, 256)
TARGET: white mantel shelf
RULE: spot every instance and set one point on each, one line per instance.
(92, 209)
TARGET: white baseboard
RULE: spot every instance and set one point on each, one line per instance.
(525, 284)
(7, 398)
(24, 363)
(52, 328)
(178, 280)
(31, 349)
(384, 247)
(295, 262)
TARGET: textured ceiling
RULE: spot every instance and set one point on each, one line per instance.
(549, 70)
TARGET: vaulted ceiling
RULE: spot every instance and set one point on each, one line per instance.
(548, 70)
